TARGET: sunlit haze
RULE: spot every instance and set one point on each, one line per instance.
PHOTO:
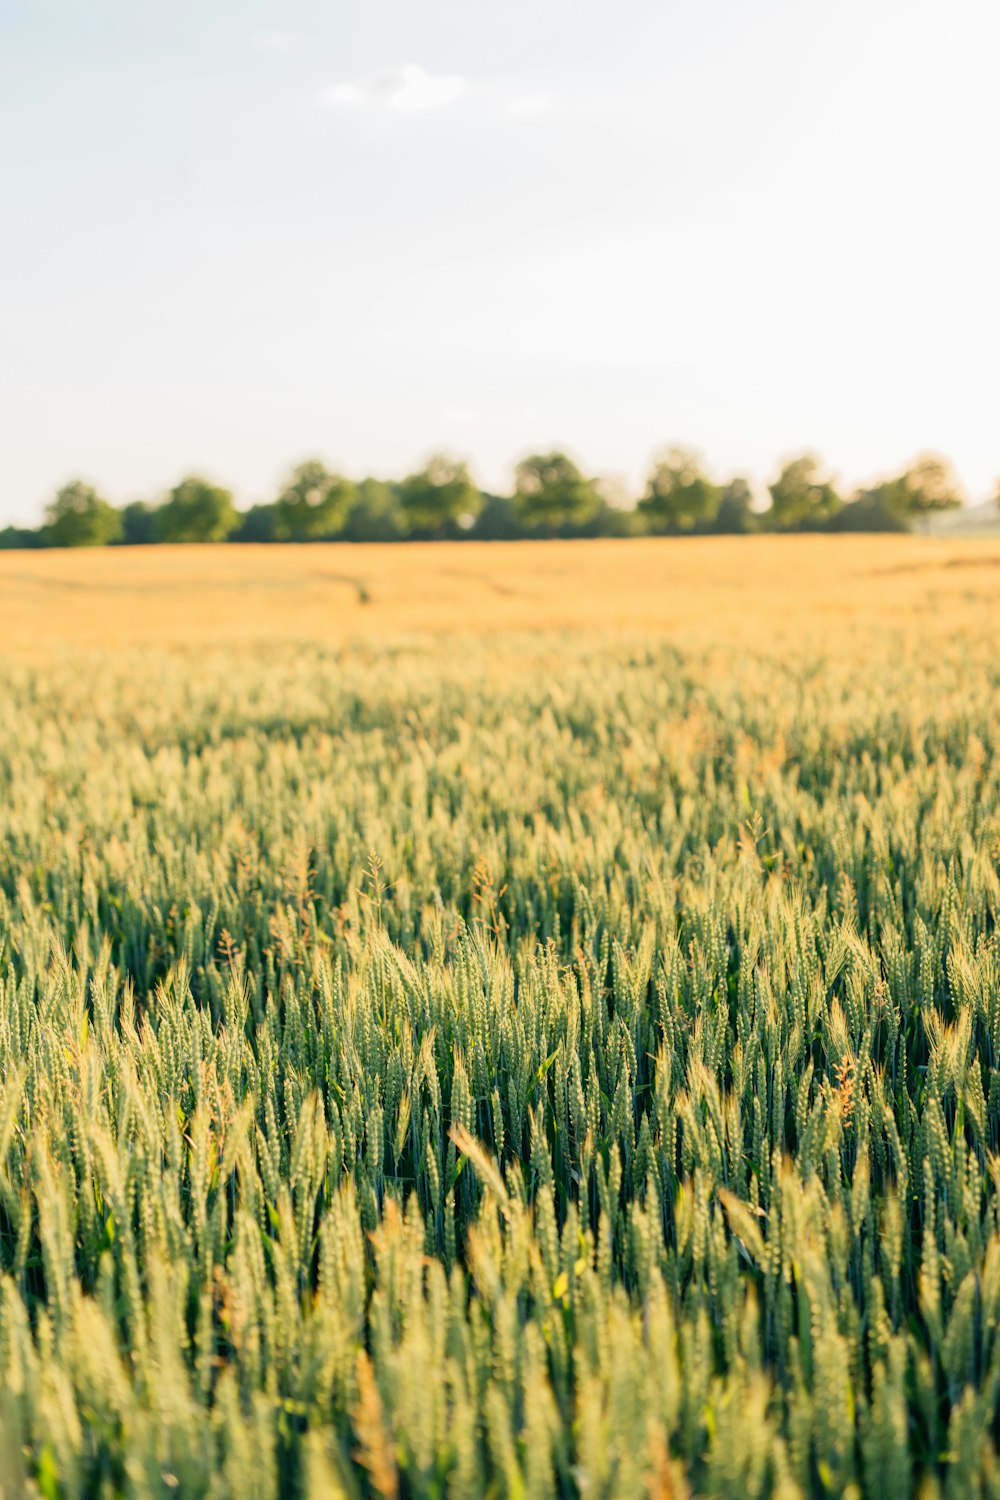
(233, 235)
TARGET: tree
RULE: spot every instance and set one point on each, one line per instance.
(735, 512)
(138, 524)
(19, 539)
(313, 504)
(78, 517)
(255, 525)
(551, 494)
(439, 497)
(928, 485)
(869, 510)
(679, 497)
(610, 517)
(498, 521)
(800, 499)
(196, 511)
(932, 485)
(376, 514)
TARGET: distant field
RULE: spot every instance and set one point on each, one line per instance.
(331, 593)
(501, 1021)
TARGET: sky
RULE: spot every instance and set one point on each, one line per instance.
(235, 233)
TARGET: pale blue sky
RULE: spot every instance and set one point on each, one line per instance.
(232, 235)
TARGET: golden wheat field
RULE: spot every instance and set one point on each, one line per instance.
(486, 1021)
(778, 586)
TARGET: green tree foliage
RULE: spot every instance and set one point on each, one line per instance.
(801, 499)
(19, 539)
(928, 485)
(551, 495)
(78, 517)
(735, 513)
(679, 496)
(256, 525)
(551, 498)
(932, 485)
(498, 521)
(138, 524)
(869, 510)
(313, 503)
(614, 514)
(376, 513)
(437, 499)
(196, 511)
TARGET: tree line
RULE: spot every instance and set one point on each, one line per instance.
(551, 497)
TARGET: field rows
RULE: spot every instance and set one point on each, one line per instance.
(440, 1058)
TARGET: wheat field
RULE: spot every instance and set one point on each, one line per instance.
(707, 588)
(501, 1020)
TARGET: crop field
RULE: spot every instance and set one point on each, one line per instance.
(501, 1020)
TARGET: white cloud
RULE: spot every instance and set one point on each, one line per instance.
(343, 94)
(408, 89)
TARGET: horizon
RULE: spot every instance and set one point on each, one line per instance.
(621, 499)
(235, 241)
